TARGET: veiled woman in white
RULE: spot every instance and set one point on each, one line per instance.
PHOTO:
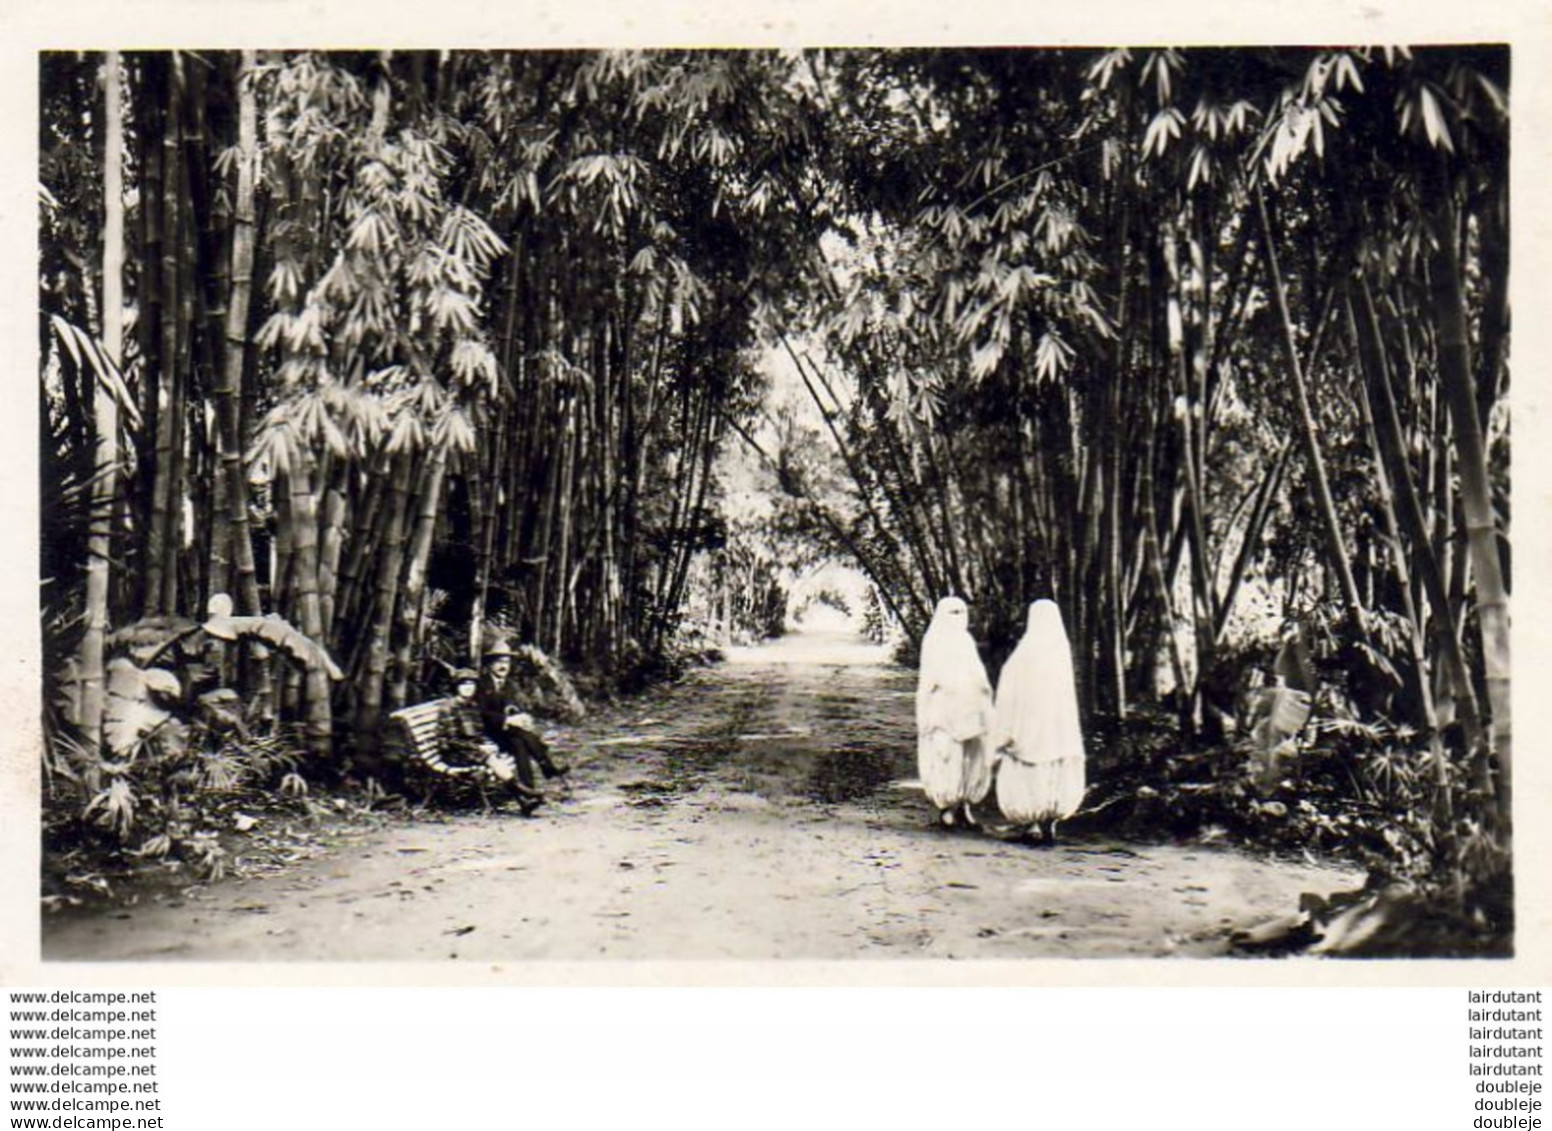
(1035, 732)
(953, 715)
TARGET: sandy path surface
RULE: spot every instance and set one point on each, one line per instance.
(761, 809)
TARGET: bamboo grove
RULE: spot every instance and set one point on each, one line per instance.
(1134, 328)
(402, 345)
(418, 341)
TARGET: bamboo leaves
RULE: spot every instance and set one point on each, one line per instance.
(1162, 129)
(87, 352)
(1053, 357)
(468, 239)
(1425, 109)
(473, 365)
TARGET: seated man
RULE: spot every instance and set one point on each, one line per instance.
(505, 724)
(465, 743)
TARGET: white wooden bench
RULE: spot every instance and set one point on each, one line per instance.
(415, 737)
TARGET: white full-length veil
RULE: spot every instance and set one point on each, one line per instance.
(953, 693)
(1037, 697)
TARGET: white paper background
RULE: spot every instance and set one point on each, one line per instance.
(1212, 1058)
(266, 1055)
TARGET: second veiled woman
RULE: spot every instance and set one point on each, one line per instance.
(953, 715)
(1040, 772)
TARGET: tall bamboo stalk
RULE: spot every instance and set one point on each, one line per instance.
(1456, 376)
(161, 549)
(207, 559)
(302, 516)
(148, 324)
(1205, 602)
(1338, 559)
(105, 417)
(1422, 681)
(371, 679)
(1387, 422)
(333, 531)
(349, 621)
(411, 602)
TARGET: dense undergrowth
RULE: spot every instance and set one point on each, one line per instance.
(193, 785)
(1437, 884)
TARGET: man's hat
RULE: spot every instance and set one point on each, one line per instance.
(466, 675)
(500, 650)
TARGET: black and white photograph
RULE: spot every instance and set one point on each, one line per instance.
(847, 504)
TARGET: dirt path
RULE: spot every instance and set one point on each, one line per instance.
(762, 809)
